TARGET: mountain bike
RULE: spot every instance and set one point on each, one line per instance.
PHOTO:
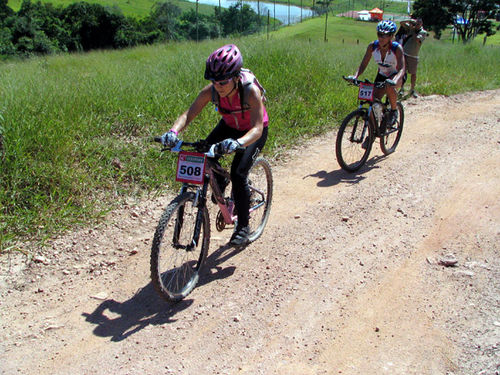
(182, 237)
(359, 129)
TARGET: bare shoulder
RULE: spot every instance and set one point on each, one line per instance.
(254, 94)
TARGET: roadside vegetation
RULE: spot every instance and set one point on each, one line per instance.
(42, 28)
(140, 8)
(136, 8)
(77, 128)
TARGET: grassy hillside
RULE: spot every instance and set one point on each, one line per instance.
(78, 127)
(132, 8)
(140, 8)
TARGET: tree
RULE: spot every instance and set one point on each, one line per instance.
(45, 19)
(434, 14)
(166, 15)
(468, 17)
(473, 15)
(238, 19)
(6, 46)
(5, 11)
(325, 5)
(199, 26)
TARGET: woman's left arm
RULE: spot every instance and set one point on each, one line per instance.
(256, 117)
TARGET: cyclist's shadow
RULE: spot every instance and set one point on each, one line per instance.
(213, 270)
(147, 308)
(338, 176)
(143, 309)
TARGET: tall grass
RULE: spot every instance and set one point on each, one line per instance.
(141, 8)
(135, 8)
(78, 127)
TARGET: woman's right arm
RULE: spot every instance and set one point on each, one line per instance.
(203, 98)
(365, 61)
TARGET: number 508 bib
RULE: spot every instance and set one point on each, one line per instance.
(190, 167)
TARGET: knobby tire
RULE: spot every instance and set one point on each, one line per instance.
(261, 194)
(351, 156)
(175, 268)
(389, 141)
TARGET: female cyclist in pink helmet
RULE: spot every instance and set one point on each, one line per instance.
(238, 97)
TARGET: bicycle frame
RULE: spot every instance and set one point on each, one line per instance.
(227, 208)
(373, 121)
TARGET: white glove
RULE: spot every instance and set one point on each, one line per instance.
(169, 139)
(390, 82)
(228, 146)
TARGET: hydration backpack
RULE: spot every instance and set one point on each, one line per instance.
(247, 78)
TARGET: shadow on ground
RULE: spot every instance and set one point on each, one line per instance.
(146, 307)
(328, 179)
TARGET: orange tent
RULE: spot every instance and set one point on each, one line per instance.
(377, 14)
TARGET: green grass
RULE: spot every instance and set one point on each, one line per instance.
(78, 127)
(141, 8)
(132, 8)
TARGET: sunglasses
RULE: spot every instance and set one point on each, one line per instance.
(382, 35)
(221, 83)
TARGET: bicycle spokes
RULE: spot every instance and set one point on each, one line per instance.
(392, 134)
(179, 247)
(257, 198)
(354, 139)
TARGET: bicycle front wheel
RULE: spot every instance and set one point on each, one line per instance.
(354, 141)
(390, 139)
(176, 256)
(260, 181)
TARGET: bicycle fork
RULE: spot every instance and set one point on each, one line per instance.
(366, 120)
(199, 202)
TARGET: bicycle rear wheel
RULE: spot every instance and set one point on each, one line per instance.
(176, 260)
(392, 134)
(260, 180)
(354, 141)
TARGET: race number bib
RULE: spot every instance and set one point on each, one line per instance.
(365, 91)
(190, 167)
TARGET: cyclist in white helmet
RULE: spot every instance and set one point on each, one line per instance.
(391, 64)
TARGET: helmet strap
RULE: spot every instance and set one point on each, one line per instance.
(240, 89)
(234, 88)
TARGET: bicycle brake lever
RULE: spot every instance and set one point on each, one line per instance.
(211, 152)
(177, 147)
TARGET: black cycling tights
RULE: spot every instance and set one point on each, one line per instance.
(240, 167)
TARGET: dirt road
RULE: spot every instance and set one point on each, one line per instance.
(345, 280)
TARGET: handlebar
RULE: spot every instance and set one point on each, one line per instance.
(201, 146)
(357, 82)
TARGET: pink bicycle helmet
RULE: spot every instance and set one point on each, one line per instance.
(225, 62)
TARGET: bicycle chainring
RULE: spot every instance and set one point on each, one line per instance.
(220, 223)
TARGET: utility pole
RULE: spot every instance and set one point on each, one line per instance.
(288, 12)
(196, 20)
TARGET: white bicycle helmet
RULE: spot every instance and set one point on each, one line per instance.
(386, 27)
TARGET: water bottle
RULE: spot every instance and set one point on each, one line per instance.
(378, 111)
